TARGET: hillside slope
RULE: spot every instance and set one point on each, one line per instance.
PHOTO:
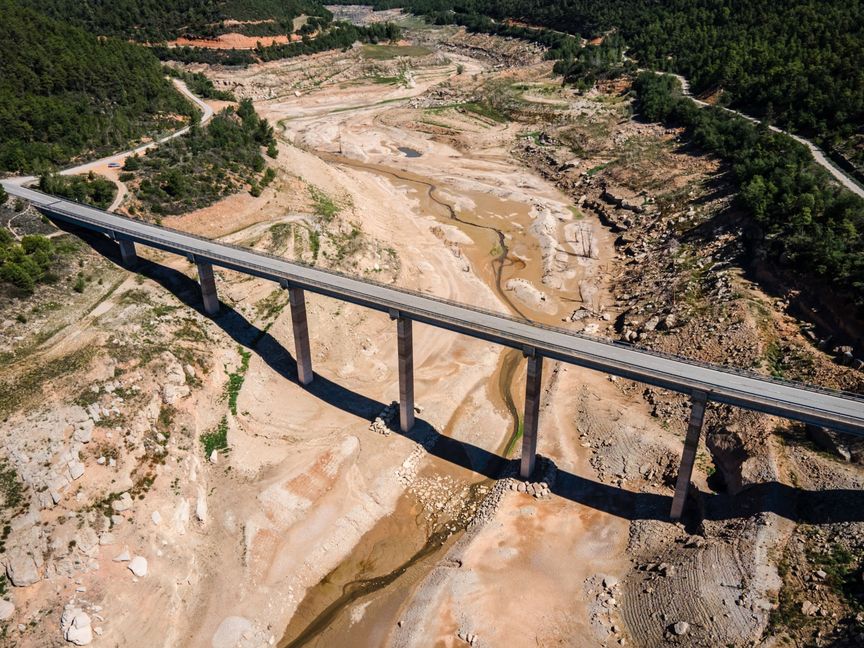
(65, 93)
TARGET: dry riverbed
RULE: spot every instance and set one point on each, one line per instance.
(438, 168)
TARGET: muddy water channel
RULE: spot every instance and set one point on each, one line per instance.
(358, 603)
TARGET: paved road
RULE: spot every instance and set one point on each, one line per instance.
(818, 154)
(118, 158)
(832, 409)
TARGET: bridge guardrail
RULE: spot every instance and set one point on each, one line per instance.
(223, 260)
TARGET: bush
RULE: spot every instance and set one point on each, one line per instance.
(90, 189)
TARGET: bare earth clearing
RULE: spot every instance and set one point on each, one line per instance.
(457, 166)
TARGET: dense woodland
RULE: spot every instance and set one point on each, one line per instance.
(795, 62)
(64, 92)
(160, 20)
(206, 164)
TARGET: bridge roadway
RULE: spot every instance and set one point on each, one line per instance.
(703, 382)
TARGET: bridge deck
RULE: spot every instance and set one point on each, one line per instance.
(836, 410)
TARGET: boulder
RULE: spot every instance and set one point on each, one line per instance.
(21, 568)
(122, 504)
(201, 507)
(172, 393)
(76, 469)
(75, 624)
(681, 628)
(123, 556)
(7, 609)
(84, 431)
(138, 566)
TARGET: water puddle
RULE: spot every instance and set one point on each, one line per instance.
(409, 152)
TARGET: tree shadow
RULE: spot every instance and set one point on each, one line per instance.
(813, 507)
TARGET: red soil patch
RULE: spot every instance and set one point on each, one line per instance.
(234, 41)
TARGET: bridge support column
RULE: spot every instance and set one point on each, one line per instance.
(699, 401)
(405, 344)
(297, 298)
(208, 287)
(127, 253)
(532, 414)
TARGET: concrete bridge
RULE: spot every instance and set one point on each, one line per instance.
(702, 382)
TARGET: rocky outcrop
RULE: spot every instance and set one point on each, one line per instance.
(737, 465)
(174, 387)
(829, 441)
(23, 568)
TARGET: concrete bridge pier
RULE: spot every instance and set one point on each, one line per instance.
(208, 287)
(127, 253)
(699, 401)
(405, 344)
(297, 299)
(532, 413)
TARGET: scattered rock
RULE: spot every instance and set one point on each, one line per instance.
(123, 556)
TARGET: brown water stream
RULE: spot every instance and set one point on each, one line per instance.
(401, 549)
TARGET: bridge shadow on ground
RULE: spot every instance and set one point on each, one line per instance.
(814, 507)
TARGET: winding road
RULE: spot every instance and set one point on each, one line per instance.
(119, 158)
(819, 155)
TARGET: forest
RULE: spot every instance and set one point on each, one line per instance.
(801, 220)
(64, 93)
(206, 164)
(149, 21)
(797, 63)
